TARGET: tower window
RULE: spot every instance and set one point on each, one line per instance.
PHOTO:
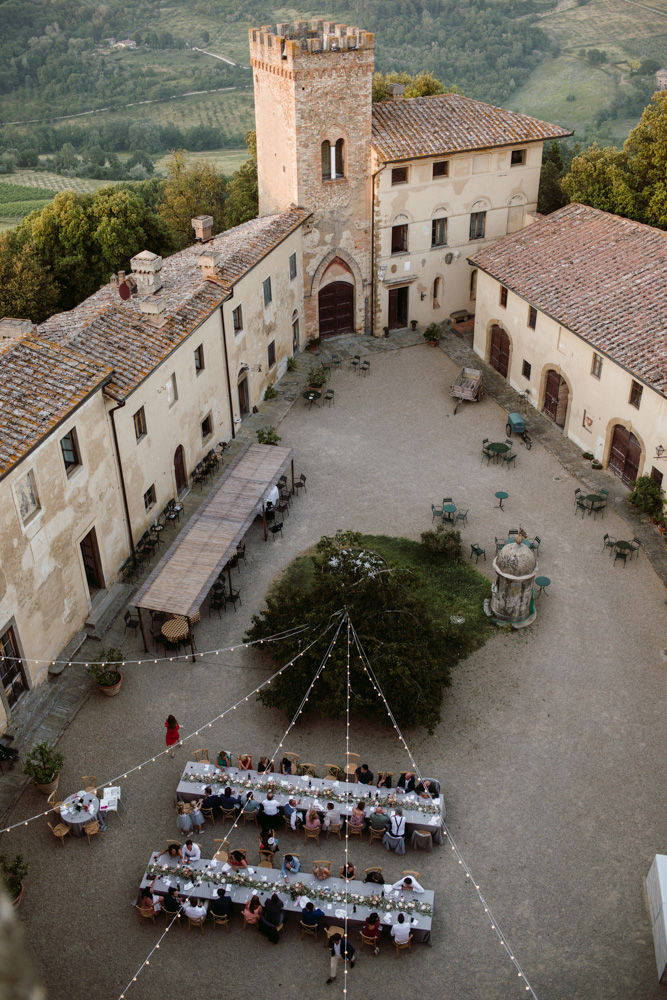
(438, 232)
(399, 175)
(477, 225)
(333, 160)
(518, 157)
(340, 172)
(503, 297)
(326, 160)
(532, 317)
(268, 296)
(441, 168)
(635, 394)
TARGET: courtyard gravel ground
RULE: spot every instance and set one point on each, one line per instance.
(550, 748)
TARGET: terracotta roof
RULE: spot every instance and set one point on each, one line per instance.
(40, 384)
(450, 123)
(601, 276)
(116, 332)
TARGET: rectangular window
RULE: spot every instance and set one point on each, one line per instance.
(140, 423)
(596, 366)
(532, 317)
(292, 267)
(271, 354)
(12, 676)
(526, 370)
(518, 157)
(266, 285)
(438, 232)
(70, 449)
(172, 389)
(207, 427)
(656, 476)
(477, 225)
(399, 175)
(503, 296)
(399, 239)
(199, 359)
(237, 319)
(27, 499)
(441, 168)
(149, 497)
(635, 394)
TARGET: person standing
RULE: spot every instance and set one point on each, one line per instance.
(339, 948)
(172, 733)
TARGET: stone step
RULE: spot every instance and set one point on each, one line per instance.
(106, 608)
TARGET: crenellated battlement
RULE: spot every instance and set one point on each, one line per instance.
(290, 43)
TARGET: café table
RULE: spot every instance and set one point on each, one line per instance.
(623, 546)
(312, 395)
(309, 792)
(335, 897)
(156, 529)
(448, 508)
(592, 498)
(79, 809)
(500, 496)
(498, 448)
(542, 582)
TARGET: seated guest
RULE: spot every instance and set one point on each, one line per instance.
(321, 872)
(384, 780)
(190, 851)
(197, 816)
(397, 824)
(373, 929)
(270, 810)
(400, 931)
(271, 918)
(348, 871)
(291, 813)
(183, 818)
(222, 906)
(378, 821)
(251, 805)
(290, 865)
(268, 840)
(229, 801)
(409, 882)
(406, 782)
(237, 860)
(425, 790)
(363, 775)
(173, 853)
(171, 903)
(211, 801)
(264, 765)
(245, 762)
(150, 901)
(252, 910)
(357, 818)
(313, 821)
(286, 766)
(375, 877)
(331, 816)
(224, 759)
(195, 909)
(310, 916)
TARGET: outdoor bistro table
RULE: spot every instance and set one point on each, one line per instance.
(498, 448)
(449, 508)
(501, 496)
(310, 791)
(591, 499)
(542, 582)
(328, 894)
(88, 810)
(623, 546)
(178, 627)
(312, 395)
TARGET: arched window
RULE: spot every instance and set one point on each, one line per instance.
(473, 285)
(437, 292)
(333, 160)
(295, 332)
(340, 165)
(326, 160)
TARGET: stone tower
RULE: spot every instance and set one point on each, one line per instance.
(313, 119)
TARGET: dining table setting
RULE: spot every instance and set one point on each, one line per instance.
(81, 808)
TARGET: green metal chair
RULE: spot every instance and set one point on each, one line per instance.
(609, 543)
(509, 458)
(535, 544)
(635, 544)
(329, 397)
(462, 515)
(486, 454)
(477, 551)
(355, 362)
(623, 556)
(499, 545)
(580, 504)
(336, 361)
(435, 511)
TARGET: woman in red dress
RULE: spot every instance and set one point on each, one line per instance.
(172, 733)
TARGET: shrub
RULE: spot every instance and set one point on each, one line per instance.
(13, 872)
(291, 365)
(270, 392)
(102, 670)
(267, 435)
(432, 332)
(317, 377)
(443, 541)
(43, 763)
(648, 496)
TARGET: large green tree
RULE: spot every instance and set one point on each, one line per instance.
(27, 288)
(420, 85)
(189, 191)
(243, 193)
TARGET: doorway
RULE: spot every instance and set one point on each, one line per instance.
(336, 309)
(244, 397)
(92, 563)
(556, 395)
(398, 308)
(179, 470)
(12, 675)
(625, 455)
(499, 356)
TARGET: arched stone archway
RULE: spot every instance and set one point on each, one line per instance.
(624, 450)
(339, 287)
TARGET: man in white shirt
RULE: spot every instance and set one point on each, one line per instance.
(409, 882)
(397, 824)
(400, 930)
(190, 851)
(195, 909)
(331, 816)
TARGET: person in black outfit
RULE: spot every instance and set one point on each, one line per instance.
(384, 780)
(211, 801)
(229, 801)
(271, 918)
(171, 903)
(363, 775)
(425, 789)
(406, 781)
(222, 906)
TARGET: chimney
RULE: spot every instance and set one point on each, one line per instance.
(113, 281)
(147, 268)
(154, 310)
(121, 277)
(203, 227)
(396, 91)
(209, 261)
(14, 328)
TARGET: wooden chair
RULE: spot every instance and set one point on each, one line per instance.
(209, 814)
(229, 814)
(60, 830)
(370, 941)
(322, 864)
(412, 874)
(386, 774)
(406, 944)
(332, 771)
(334, 828)
(351, 763)
(311, 834)
(265, 864)
(201, 755)
(89, 783)
(308, 769)
(329, 931)
(293, 758)
(266, 855)
(146, 914)
(221, 850)
(168, 917)
(223, 921)
(375, 834)
(196, 923)
(249, 817)
(92, 828)
(174, 843)
(55, 802)
(237, 850)
(356, 831)
(374, 868)
(306, 930)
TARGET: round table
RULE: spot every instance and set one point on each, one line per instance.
(312, 395)
(500, 496)
(542, 582)
(76, 818)
(449, 508)
(623, 546)
(498, 448)
(178, 628)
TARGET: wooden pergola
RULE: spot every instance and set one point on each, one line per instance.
(187, 571)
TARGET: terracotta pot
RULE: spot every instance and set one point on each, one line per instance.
(50, 787)
(112, 690)
(16, 902)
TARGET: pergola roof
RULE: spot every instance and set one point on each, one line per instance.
(187, 571)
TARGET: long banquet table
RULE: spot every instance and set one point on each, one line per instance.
(203, 878)
(420, 814)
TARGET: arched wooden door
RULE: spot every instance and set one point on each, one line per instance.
(625, 454)
(556, 394)
(179, 470)
(336, 308)
(499, 358)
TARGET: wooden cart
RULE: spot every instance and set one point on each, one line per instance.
(468, 384)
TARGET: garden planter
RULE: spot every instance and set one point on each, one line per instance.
(50, 787)
(111, 690)
(16, 902)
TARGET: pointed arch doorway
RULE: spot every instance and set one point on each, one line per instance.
(335, 299)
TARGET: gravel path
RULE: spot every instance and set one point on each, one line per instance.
(550, 749)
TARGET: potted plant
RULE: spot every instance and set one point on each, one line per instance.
(588, 455)
(385, 330)
(267, 435)
(43, 763)
(413, 324)
(313, 344)
(317, 377)
(432, 334)
(103, 670)
(292, 364)
(13, 872)
(595, 464)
